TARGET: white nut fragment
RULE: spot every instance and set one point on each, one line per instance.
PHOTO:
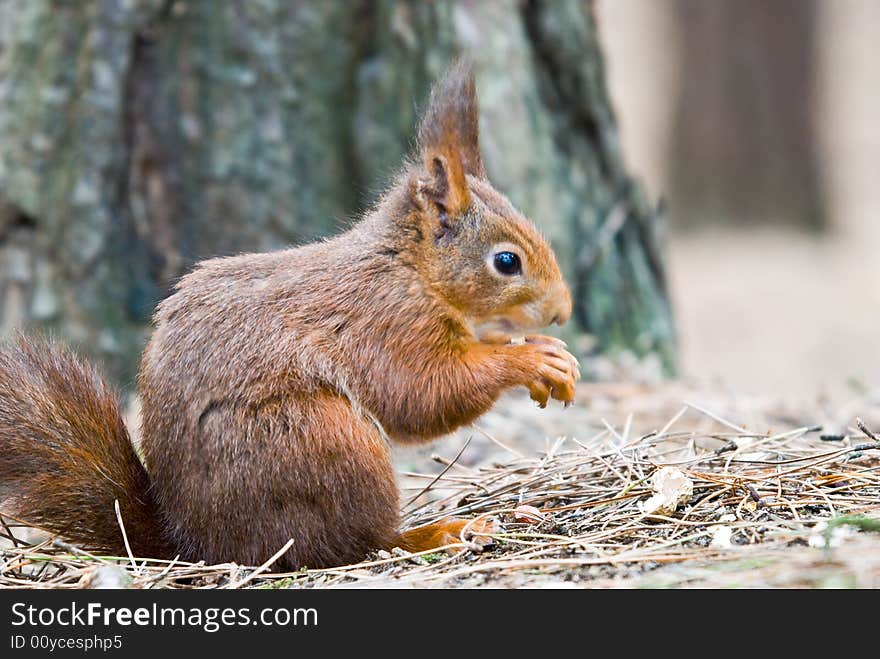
(517, 340)
(721, 537)
(671, 488)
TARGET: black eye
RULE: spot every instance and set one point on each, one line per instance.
(507, 263)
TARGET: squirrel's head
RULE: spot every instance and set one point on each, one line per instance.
(479, 253)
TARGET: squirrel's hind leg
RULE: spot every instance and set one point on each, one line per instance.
(451, 532)
(307, 468)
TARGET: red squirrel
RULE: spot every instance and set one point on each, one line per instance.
(272, 382)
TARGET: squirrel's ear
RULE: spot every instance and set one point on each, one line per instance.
(443, 185)
(449, 144)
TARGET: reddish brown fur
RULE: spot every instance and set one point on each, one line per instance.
(272, 381)
(65, 455)
(447, 531)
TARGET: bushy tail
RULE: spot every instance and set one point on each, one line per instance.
(65, 455)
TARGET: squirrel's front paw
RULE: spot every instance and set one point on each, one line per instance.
(551, 370)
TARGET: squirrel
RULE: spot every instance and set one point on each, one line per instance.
(273, 382)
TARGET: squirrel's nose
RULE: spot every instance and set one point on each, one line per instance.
(562, 308)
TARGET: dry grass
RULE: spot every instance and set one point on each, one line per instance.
(768, 490)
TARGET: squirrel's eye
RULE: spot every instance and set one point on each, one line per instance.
(507, 263)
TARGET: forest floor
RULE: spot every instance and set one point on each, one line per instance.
(766, 476)
(752, 484)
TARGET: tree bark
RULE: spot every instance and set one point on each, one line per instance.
(141, 136)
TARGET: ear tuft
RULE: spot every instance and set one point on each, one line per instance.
(449, 145)
(450, 125)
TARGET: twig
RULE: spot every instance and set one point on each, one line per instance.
(495, 441)
(861, 425)
(265, 566)
(134, 564)
(714, 416)
(440, 475)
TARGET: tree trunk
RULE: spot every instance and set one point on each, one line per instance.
(744, 146)
(141, 136)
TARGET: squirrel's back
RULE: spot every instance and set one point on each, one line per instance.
(249, 432)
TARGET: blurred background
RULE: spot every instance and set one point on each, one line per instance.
(757, 121)
(708, 170)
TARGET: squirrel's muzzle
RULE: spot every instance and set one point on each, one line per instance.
(560, 307)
